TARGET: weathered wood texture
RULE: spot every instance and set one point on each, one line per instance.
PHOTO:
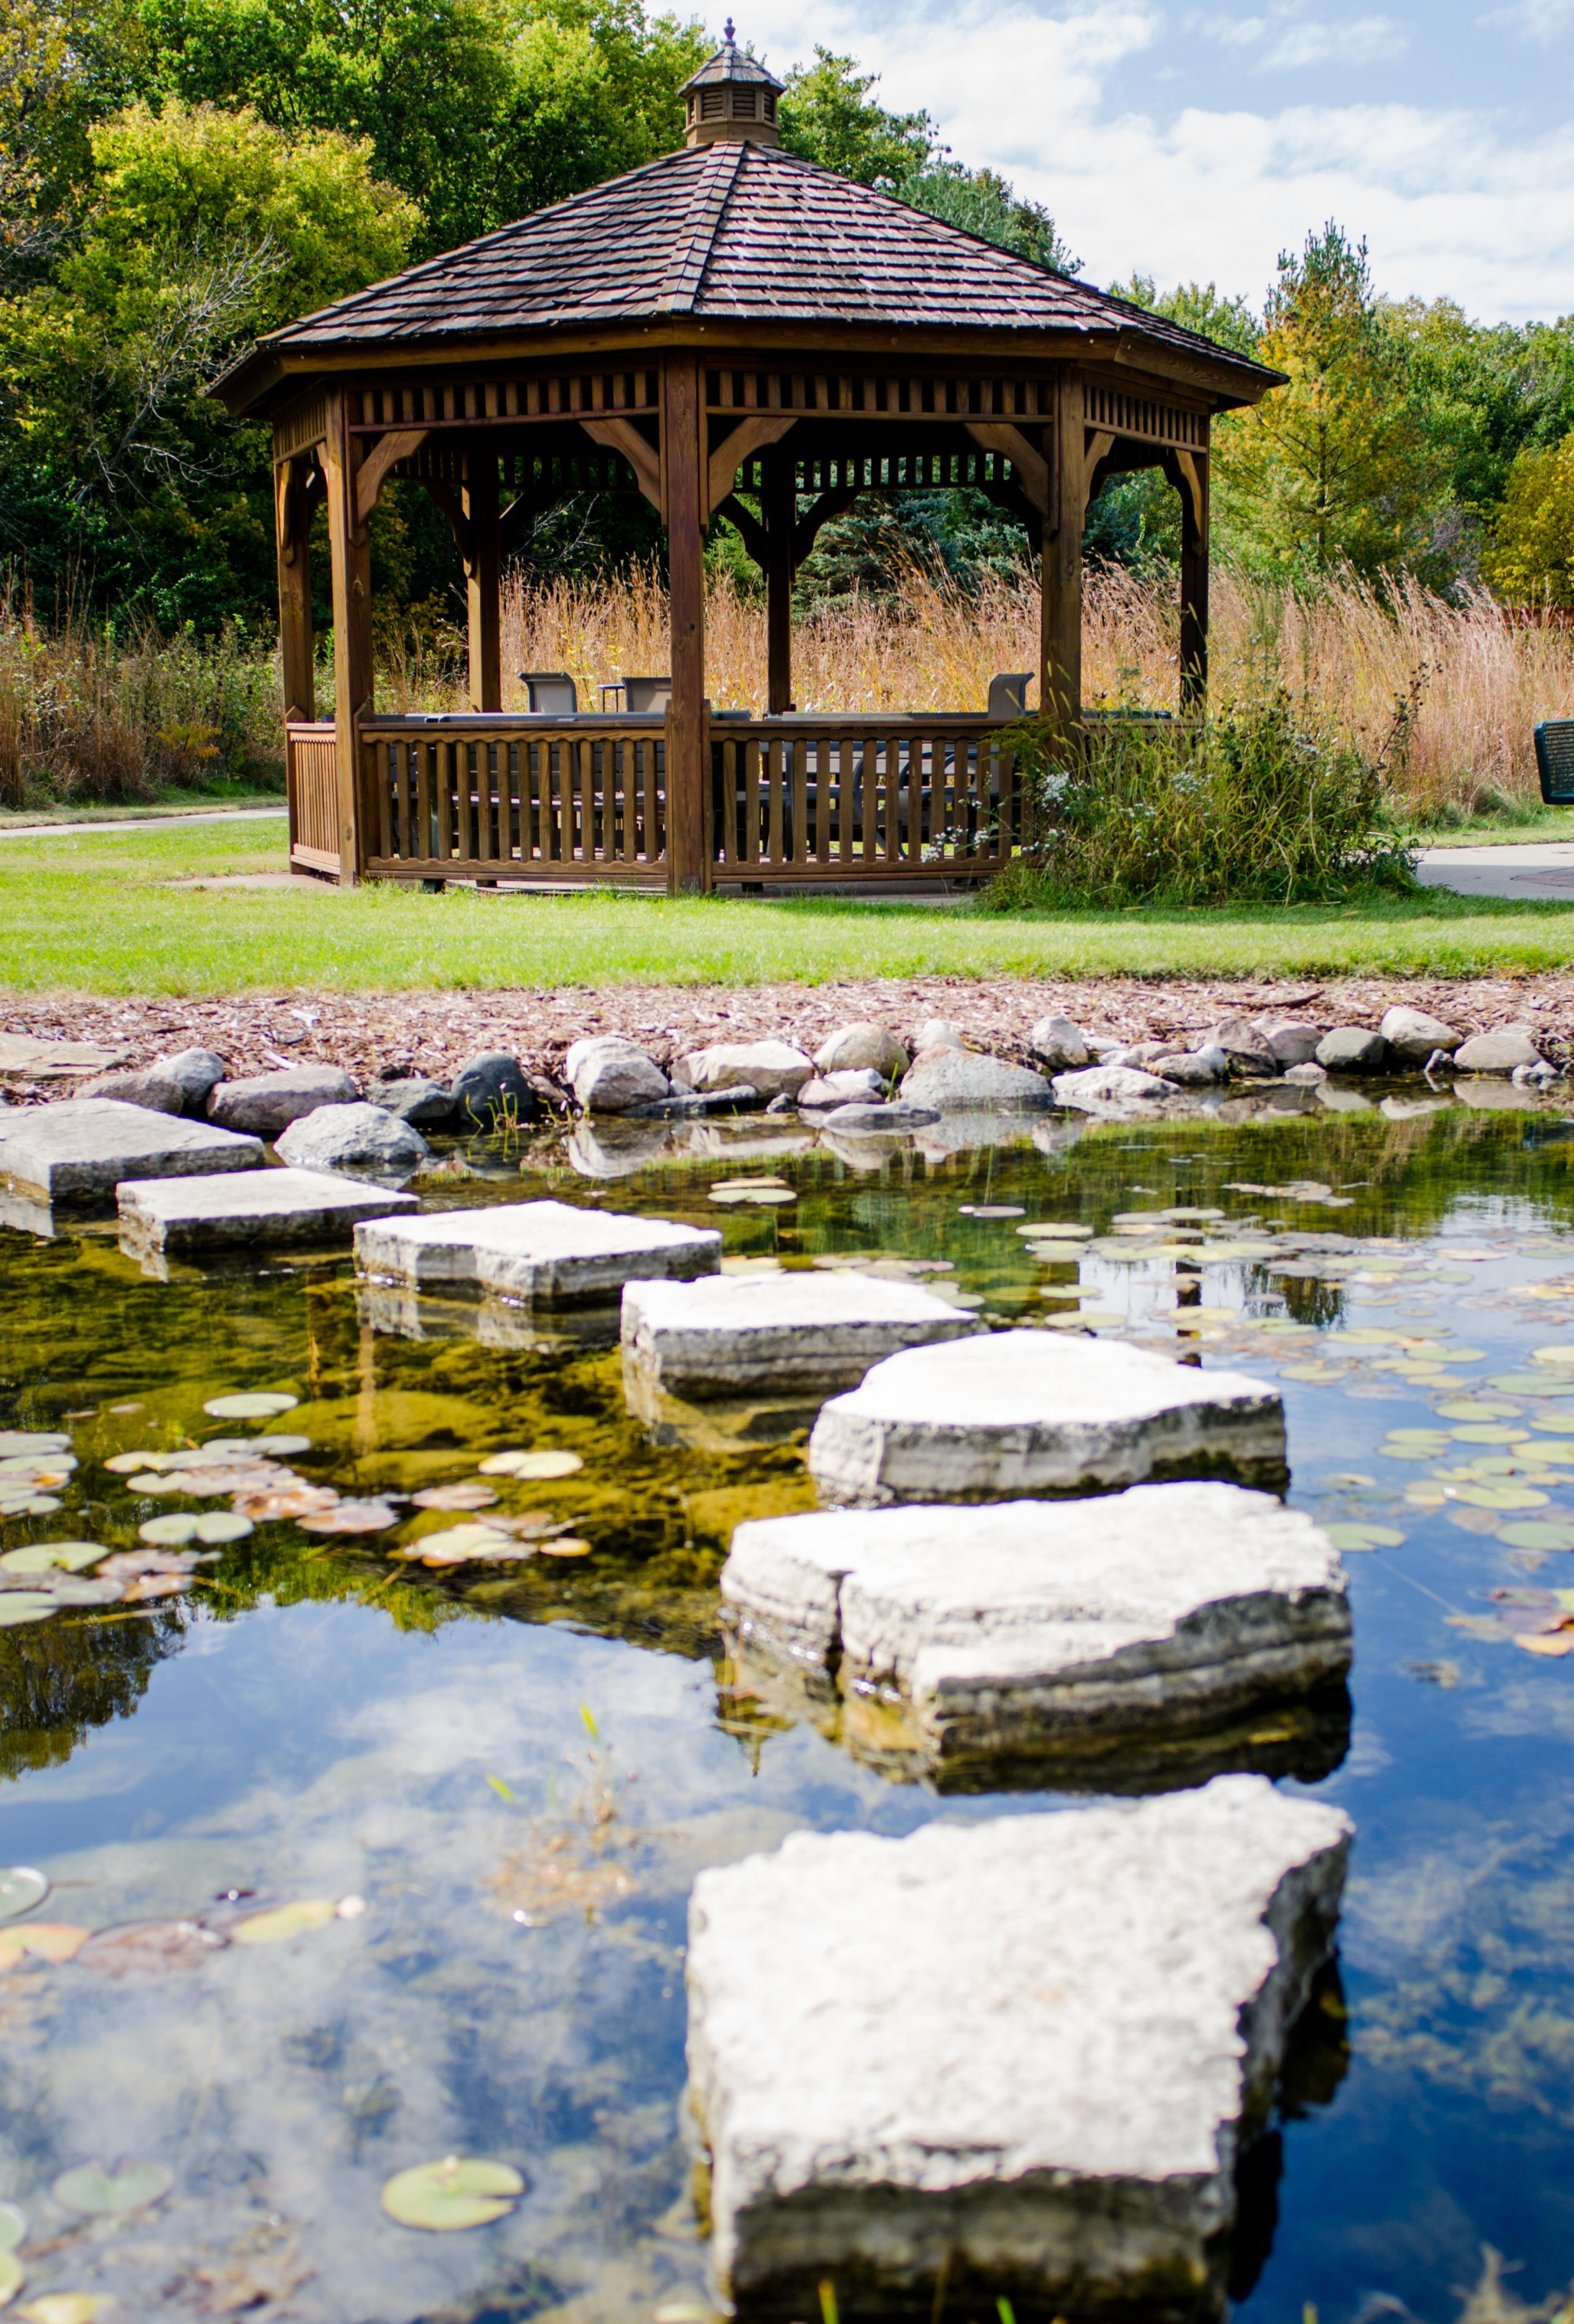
(352, 628)
(684, 483)
(311, 772)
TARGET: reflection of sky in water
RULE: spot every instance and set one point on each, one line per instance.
(315, 1749)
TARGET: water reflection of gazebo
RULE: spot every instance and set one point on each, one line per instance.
(727, 320)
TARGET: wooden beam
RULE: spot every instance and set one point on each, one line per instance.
(749, 529)
(1099, 444)
(749, 436)
(397, 445)
(297, 645)
(623, 436)
(1032, 469)
(806, 531)
(689, 845)
(484, 576)
(779, 507)
(1187, 472)
(352, 635)
(1061, 632)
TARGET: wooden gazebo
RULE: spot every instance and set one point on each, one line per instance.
(727, 320)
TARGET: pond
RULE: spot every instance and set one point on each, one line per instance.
(487, 1790)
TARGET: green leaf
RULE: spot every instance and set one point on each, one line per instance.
(502, 1789)
(287, 1921)
(22, 1890)
(444, 2197)
(261, 1406)
(12, 2225)
(18, 1606)
(13, 2274)
(91, 2190)
(38, 1556)
(1363, 1536)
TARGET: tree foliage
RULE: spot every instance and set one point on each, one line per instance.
(1530, 560)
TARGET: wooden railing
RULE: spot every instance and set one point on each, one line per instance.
(311, 776)
(585, 799)
(480, 797)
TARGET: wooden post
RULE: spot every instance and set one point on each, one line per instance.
(352, 632)
(1060, 620)
(483, 576)
(297, 645)
(683, 478)
(1194, 528)
(779, 509)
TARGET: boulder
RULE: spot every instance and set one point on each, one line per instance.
(949, 1079)
(359, 1137)
(936, 1033)
(1292, 1040)
(490, 1092)
(1110, 1085)
(767, 1067)
(425, 1103)
(1024, 2051)
(1025, 1413)
(1413, 1035)
(864, 1047)
(265, 1104)
(1193, 1068)
(610, 1075)
(1352, 1049)
(196, 1071)
(1245, 1045)
(1496, 1053)
(1061, 1044)
(851, 1086)
(1537, 1076)
(158, 1092)
(1306, 1076)
(1026, 1631)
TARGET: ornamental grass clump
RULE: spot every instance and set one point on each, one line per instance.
(1260, 802)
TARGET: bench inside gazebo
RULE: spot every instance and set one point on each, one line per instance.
(727, 321)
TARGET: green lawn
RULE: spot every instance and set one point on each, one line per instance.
(94, 910)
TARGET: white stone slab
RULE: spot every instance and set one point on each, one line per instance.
(1026, 2049)
(1033, 1413)
(535, 1250)
(735, 1335)
(247, 1206)
(80, 1150)
(1049, 1627)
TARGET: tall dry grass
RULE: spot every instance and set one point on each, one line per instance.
(86, 716)
(1487, 675)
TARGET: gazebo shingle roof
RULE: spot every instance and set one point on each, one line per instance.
(731, 232)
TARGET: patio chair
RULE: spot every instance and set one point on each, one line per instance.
(1008, 694)
(641, 696)
(552, 693)
(1555, 761)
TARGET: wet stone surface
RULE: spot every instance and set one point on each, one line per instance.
(77, 1151)
(819, 1333)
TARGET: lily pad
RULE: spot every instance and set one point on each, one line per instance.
(1545, 1642)
(1543, 1383)
(351, 1517)
(209, 1525)
(22, 1890)
(468, 1495)
(68, 2308)
(50, 1940)
(458, 1545)
(12, 2225)
(286, 1920)
(1477, 1407)
(138, 1948)
(23, 1442)
(538, 1465)
(94, 2192)
(39, 1556)
(1538, 1533)
(263, 1405)
(19, 1606)
(442, 2197)
(1553, 1424)
(12, 2276)
(1501, 1496)
(1363, 1536)
(569, 1548)
(1488, 1432)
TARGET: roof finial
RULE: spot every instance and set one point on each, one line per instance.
(732, 95)
(728, 35)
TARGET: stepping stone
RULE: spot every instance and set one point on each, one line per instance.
(535, 1250)
(247, 1206)
(1027, 1413)
(80, 1150)
(734, 1335)
(1025, 2052)
(1042, 1629)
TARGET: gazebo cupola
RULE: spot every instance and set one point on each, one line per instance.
(731, 96)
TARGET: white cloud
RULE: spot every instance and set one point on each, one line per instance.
(1542, 21)
(1288, 41)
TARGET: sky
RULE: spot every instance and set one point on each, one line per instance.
(1194, 143)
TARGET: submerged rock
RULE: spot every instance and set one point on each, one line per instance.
(894, 1118)
(850, 1085)
(1030, 1413)
(351, 1138)
(1026, 2051)
(1111, 1085)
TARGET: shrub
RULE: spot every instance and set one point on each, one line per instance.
(1262, 802)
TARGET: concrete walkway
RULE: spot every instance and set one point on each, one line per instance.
(145, 821)
(1542, 870)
